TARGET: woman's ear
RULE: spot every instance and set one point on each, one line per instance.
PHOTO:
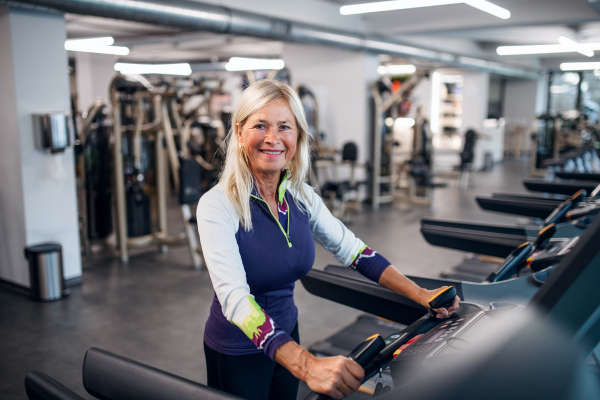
(238, 130)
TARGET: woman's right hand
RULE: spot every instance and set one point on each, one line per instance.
(336, 377)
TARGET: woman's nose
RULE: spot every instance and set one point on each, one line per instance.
(272, 135)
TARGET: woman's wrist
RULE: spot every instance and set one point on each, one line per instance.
(294, 358)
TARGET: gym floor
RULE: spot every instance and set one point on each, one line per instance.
(154, 308)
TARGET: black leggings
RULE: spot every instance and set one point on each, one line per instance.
(252, 376)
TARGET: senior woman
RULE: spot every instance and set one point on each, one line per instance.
(257, 228)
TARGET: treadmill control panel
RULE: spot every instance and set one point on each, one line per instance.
(441, 336)
(552, 254)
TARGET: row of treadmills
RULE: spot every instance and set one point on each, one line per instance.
(529, 329)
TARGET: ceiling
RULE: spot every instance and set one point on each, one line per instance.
(458, 28)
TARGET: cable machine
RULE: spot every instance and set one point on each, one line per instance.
(142, 129)
(384, 176)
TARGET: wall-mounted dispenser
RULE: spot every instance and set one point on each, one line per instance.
(53, 131)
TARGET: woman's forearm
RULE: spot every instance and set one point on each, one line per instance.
(294, 358)
(396, 281)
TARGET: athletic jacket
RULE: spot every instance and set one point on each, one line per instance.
(254, 272)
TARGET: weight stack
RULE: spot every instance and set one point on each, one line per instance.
(138, 214)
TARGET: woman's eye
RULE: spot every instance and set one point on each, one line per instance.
(285, 127)
(259, 126)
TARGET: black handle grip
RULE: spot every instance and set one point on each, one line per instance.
(363, 354)
(577, 197)
(367, 351)
(544, 236)
(443, 299)
(559, 212)
(512, 264)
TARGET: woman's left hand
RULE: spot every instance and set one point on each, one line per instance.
(425, 295)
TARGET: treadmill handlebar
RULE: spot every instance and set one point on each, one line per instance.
(512, 264)
(563, 209)
(595, 192)
(559, 212)
(544, 236)
(363, 354)
(443, 299)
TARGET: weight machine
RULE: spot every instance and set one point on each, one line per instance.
(414, 175)
(142, 128)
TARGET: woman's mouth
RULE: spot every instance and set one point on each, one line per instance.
(272, 152)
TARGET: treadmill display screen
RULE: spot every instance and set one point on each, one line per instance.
(435, 335)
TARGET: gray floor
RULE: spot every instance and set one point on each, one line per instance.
(153, 309)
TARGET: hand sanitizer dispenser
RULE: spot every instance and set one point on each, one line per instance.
(53, 131)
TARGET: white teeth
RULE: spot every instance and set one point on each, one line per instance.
(271, 152)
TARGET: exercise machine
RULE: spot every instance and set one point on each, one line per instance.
(571, 218)
(384, 170)
(528, 205)
(141, 123)
(94, 175)
(471, 343)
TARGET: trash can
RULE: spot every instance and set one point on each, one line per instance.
(45, 271)
(488, 161)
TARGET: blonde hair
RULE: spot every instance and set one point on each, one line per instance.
(236, 177)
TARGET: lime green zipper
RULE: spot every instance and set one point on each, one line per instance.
(286, 234)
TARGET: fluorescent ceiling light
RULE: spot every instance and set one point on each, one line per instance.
(251, 64)
(533, 49)
(580, 48)
(482, 5)
(566, 46)
(579, 66)
(100, 45)
(162, 69)
(489, 8)
(406, 69)
(101, 41)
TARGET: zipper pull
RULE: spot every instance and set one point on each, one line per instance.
(288, 240)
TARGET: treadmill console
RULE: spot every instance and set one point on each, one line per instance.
(444, 340)
(440, 337)
(552, 254)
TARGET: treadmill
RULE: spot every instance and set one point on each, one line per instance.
(499, 240)
(528, 205)
(508, 351)
(566, 187)
(529, 358)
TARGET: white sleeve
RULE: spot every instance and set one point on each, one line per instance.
(217, 226)
(330, 232)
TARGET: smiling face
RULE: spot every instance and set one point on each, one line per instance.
(269, 138)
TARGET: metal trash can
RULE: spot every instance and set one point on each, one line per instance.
(45, 271)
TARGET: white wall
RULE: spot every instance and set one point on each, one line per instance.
(38, 200)
(520, 100)
(94, 72)
(12, 210)
(341, 81)
(475, 100)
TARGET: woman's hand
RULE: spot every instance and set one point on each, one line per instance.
(337, 376)
(396, 281)
(426, 295)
